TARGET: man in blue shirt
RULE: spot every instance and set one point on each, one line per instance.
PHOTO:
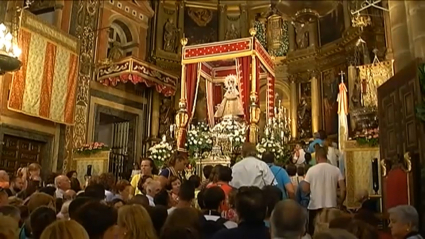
(280, 175)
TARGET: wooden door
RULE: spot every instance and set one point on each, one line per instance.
(19, 152)
(399, 129)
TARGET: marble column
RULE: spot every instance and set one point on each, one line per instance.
(315, 103)
(156, 102)
(291, 33)
(294, 109)
(313, 38)
(399, 34)
(416, 13)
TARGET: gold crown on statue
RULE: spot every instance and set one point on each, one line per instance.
(230, 80)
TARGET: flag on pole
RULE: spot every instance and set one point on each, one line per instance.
(342, 113)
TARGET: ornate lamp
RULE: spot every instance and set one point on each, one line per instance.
(304, 11)
(9, 51)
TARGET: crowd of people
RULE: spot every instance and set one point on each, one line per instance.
(253, 199)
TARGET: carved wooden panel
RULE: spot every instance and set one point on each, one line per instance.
(18, 152)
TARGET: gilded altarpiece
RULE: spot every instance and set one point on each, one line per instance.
(86, 15)
(201, 26)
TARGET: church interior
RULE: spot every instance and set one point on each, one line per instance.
(94, 86)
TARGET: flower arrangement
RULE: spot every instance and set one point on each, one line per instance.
(161, 152)
(368, 137)
(91, 148)
(198, 139)
(281, 152)
(231, 130)
(261, 33)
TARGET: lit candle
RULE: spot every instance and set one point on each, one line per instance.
(270, 121)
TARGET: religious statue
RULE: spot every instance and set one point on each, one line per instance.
(357, 94)
(170, 36)
(232, 33)
(165, 115)
(302, 36)
(304, 119)
(231, 104)
(115, 53)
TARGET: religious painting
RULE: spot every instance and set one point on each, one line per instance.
(200, 114)
(200, 25)
(330, 82)
(304, 111)
(331, 26)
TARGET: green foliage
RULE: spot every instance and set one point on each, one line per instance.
(420, 107)
(198, 140)
(284, 42)
(371, 142)
(261, 33)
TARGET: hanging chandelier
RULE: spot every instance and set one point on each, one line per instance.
(9, 51)
(304, 11)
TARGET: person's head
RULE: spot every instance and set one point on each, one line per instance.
(153, 187)
(75, 184)
(178, 161)
(249, 150)
(69, 195)
(200, 199)
(356, 227)
(321, 154)
(268, 157)
(316, 135)
(3, 197)
(72, 174)
(148, 167)
(301, 171)
(64, 211)
(334, 234)
(17, 184)
(62, 182)
(182, 223)
(76, 204)
(174, 184)
(144, 179)
(288, 220)
(8, 227)
(291, 169)
(158, 215)
(250, 204)
(224, 174)
(307, 157)
(95, 191)
(214, 173)
(195, 180)
(135, 222)
(34, 170)
(11, 211)
(15, 201)
(322, 134)
(49, 190)
(213, 198)
(41, 199)
(123, 188)
(116, 203)
(321, 222)
(139, 199)
(40, 218)
(404, 219)
(4, 179)
(206, 170)
(272, 196)
(64, 229)
(162, 198)
(108, 181)
(98, 220)
(187, 192)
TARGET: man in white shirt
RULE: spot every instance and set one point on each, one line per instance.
(62, 183)
(322, 181)
(152, 188)
(251, 171)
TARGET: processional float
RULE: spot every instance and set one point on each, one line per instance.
(244, 58)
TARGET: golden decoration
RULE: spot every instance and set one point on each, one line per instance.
(183, 41)
(384, 167)
(408, 162)
(200, 16)
(252, 31)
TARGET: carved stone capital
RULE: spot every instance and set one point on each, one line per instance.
(315, 74)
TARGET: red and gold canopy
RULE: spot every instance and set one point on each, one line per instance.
(136, 71)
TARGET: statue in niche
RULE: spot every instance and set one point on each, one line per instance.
(357, 94)
(302, 36)
(166, 115)
(231, 104)
(232, 33)
(304, 119)
(115, 53)
(170, 36)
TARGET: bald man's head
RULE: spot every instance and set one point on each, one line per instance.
(288, 220)
(62, 182)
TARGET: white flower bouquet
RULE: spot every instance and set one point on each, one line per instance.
(281, 152)
(161, 152)
(198, 139)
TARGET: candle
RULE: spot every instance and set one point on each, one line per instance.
(270, 121)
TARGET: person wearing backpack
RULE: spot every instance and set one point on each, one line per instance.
(213, 199)
(280, 175)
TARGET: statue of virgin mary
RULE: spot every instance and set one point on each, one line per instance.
(231, 104)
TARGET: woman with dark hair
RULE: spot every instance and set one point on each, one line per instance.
(147, 168)
(176, 165)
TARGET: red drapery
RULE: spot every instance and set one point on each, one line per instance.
(257, 77)
(396, 188)
(270, 95)
(244, 65)
(191, 85)
(217, 94)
